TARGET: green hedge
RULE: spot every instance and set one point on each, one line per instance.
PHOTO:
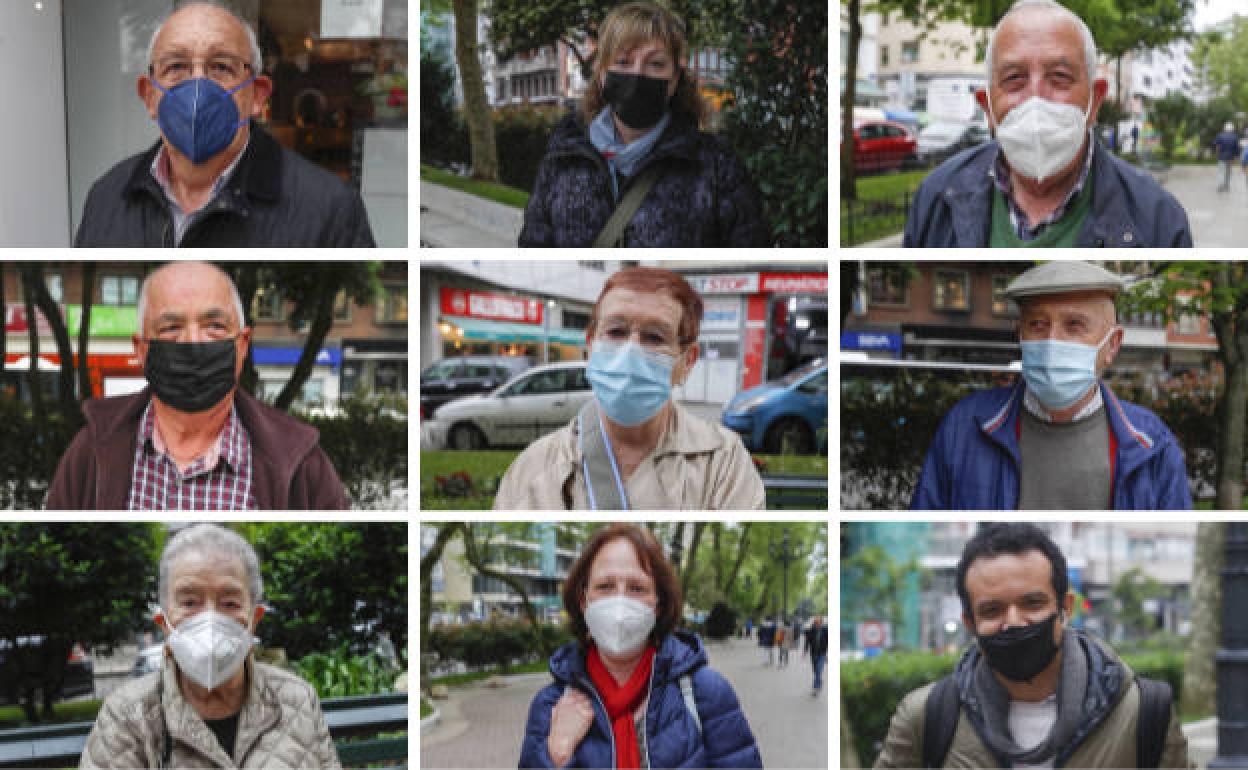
(871, 689)
(478, 645)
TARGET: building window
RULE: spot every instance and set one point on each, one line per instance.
(56, 287)
(575, 320)
(1188, 322)
(119, 290)
(392, 305)
(342, 307)
(883, 56)
(1001, 305)
(887, 286)
(268, 306)
(951, 290)
(910, 52)
(593, 264)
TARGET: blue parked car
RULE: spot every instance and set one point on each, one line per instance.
(789, 413)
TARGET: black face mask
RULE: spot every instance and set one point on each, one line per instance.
(190, 376)
(1022, 652)
(638, 101)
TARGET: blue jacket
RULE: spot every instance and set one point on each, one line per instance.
(973, 462)
(953, 206)
(1226, 145)
(672, 736)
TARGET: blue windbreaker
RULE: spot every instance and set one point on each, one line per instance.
(672, 735)
(973, 462)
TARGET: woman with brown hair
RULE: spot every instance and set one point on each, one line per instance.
(632, 168)
(632, 691)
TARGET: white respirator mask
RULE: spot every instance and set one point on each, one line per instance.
(1040, 137)
(209, 647)
(619, 625)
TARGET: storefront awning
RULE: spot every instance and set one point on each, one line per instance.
(498, 331)
(289, 356)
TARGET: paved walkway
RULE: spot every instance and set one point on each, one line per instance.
(450, 218)
(1218, 220)
(483, 726)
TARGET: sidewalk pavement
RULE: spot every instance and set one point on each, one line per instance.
(1218, 220)
(1202, 741)
(450, 218)
(483, 725)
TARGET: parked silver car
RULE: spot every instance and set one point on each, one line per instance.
(516, 413)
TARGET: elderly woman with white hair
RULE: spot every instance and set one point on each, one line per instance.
(212, 704)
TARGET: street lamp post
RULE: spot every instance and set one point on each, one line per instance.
(785, 555)
(1232, 655)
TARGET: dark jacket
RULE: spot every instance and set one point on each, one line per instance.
(274, 198)
(1226, 145)
(953, 207)
(672, 737)
(703, 197)
(973, 462)
(816, 640)
(1106, 736)
(289, 470)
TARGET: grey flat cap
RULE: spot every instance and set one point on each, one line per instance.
(1061, 277)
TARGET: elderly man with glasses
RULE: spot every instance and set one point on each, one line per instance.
(215, 178)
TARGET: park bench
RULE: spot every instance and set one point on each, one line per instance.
(806, 492)
(61, 745)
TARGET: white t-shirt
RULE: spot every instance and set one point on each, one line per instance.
(1030, 724)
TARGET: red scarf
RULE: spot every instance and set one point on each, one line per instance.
(621, 701)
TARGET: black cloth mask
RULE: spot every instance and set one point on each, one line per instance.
(190, 376)
(638, 101)
(1021, 652)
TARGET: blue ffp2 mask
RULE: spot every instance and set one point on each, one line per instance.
(1059, 373)
(630, 384)
(199, 117)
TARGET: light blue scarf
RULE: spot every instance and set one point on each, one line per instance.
(622, 158)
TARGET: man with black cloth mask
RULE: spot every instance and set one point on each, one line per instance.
(191, 440)
(1032, 692)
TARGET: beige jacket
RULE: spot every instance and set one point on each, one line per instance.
(697, 466)
(281, 726)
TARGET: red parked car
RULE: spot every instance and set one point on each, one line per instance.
(883, 145)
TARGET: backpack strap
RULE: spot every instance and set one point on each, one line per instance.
(940, 721)
(1153, 721)
(603, 486)
(686, 691)
(613, 230)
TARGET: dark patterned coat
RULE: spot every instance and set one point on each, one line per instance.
(703, 197)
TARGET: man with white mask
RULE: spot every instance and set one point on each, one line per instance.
(1059, 439)
(212, 704)
(1044, 180)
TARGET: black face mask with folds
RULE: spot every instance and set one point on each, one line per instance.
(638, 101)
(1022, 652)
(190, 376)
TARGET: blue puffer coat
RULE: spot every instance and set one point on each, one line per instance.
(703, 197)
(672, 737)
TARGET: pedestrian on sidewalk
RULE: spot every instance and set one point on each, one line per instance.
(782, 644)
(1243, 159)
(767, 640)
(749, 628)
(1226, 147)
(630, 167)
(817, 648)
(632, 691)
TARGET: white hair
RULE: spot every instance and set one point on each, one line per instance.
(257, 61)
(215, 540)
(1089, 43)
(234, 295)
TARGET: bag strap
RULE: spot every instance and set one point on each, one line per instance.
(940, 721)
(613, 230)
(686, 691)
(1153, 721)
(603, 486)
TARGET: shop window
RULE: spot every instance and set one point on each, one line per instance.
(390, 377)
(1001, 306)
(342, 307)
(575, 320)
(887, 286)
(392, 305)
(910, 52)
(268, 305)
(119, 290)
(951, 290)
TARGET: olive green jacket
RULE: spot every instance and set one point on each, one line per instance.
(1111, 744)
(281, 726)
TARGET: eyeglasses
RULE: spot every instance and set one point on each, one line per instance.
(651, 338)
(226, 70)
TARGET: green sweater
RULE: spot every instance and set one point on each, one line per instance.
(1060, 234)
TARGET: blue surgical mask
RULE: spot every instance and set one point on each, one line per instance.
(630, 384)
(1059, 373)
(199, 117)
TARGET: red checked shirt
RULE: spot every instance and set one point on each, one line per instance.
(218, 480)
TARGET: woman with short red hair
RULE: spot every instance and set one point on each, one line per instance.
(632, 446)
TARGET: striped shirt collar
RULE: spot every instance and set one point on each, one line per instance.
(1038, 411)
(1000, 175)
(226, 447)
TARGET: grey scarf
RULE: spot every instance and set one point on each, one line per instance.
(994, 702)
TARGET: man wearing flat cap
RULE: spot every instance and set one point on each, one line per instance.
(1059, 439)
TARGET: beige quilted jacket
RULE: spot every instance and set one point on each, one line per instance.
(281, 726)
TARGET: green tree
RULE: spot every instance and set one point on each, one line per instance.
(1131, 591)
(518, 26)
(1170, 114)
(1199, 681)
(485, 548)
(429, 559)
(331, 583)
(1222, 61)
(63, 584)
(877, 581)
(476, 104)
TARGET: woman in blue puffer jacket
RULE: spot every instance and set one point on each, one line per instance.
(631, 691)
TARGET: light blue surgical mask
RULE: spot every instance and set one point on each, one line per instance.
(1059, 373)
(630, 384)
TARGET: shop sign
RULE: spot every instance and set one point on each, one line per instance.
(730, 283)
(871, 341)
(794, 283)
(351, 18)
(721, 313)
(494, 307)
(106, 320)
(15, 321)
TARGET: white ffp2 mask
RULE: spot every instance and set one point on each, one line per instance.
(1040, 137)
(619, 625)
(209, 647)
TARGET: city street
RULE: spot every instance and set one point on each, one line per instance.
(483, 726)
(1218, 220)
